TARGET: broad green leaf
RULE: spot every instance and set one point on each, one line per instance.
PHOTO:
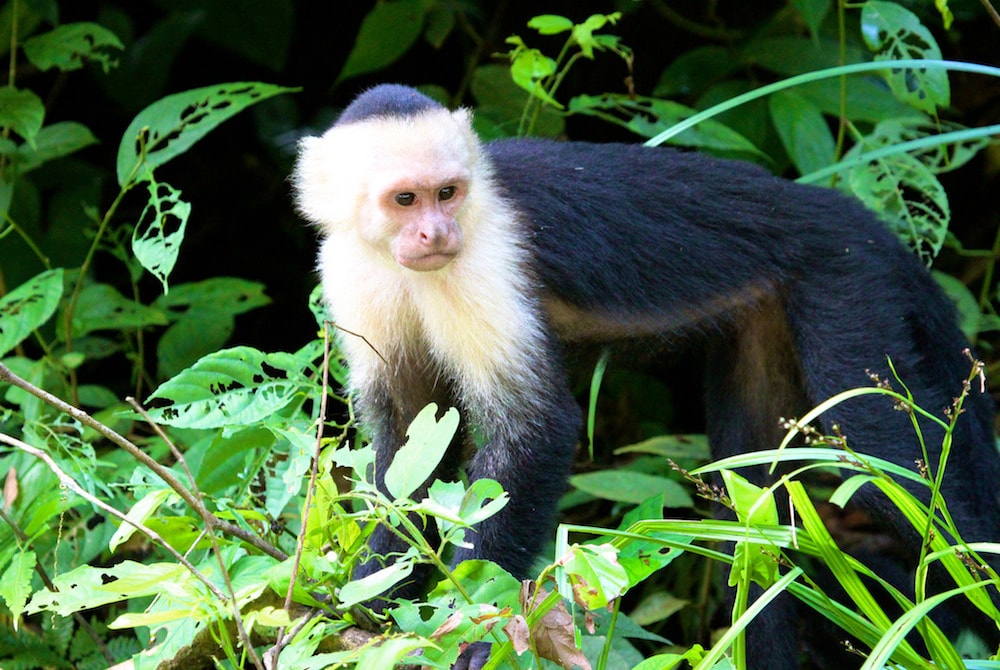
(451, 619)
(427, 441)
(907, 195)
(157, 237)
(102, 307)
(171, 125)
(587, 41)
(812, 12)
(502, 102)
(895, 33)
(529, 67)
(202, 314)
(140, 511)
(229, 295)
(451, 504)
(29, 306)
(387, 32)
(22, 112)
(68, 46)
(550, 24)
(595, 574)
(15, 583)
(693, 70)
(641, 558)
(54, 141)
(232, 387)
(193, 336)
(672, 446)
(754, 506)
(632, 487)
(375, 584)
(390, 652)
(803, 131)
(86, 587)
(790, 55)
(943, 157)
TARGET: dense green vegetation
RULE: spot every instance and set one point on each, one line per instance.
(182, 478)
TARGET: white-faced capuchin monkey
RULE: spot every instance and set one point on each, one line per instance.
(473, 269)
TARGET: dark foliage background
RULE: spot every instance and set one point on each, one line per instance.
(243, 223)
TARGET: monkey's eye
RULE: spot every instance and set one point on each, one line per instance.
(447, 193)
(405, 199)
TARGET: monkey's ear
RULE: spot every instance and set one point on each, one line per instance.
(462, 118)
(322, 187)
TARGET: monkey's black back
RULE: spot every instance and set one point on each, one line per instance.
(625, 229)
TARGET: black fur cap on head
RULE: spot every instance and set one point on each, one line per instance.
(387, 100)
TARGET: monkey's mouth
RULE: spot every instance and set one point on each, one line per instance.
(426, 262)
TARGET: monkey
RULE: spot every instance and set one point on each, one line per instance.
(475, 269)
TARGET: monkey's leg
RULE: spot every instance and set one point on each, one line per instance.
(752, 381)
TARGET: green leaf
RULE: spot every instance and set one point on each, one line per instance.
(157, 237)
(86, 587)
(812, 12)
(454, 621)
(387, 32)
(632, 487)
(22, 112)
(754, 506)
(390, 652)
(375, 584)
(528, 67)
(139, 513)
(29, 306)
(54, 141)
(803, 131)
(226, 295)
(895, 33)
(203, 319)
(102, 307)
(190, 338)
(232, 387)
(550, 24)
(171, 125)
(907, 195)
(426, 443)
(693, 70)
(694, 446)
(594, 574)
(15, 583)
(67, 47)
(583, 34)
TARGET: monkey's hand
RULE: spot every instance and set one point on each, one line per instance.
(474, 657)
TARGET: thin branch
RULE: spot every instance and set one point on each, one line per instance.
(209, 532)
(279, 643)
(7, 375)
(71, 484)
(992, 11)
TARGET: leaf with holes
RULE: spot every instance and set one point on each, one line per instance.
(28, 306)
(232, 387)
(102, 307)
(171, 125)
(905, 193)
(894, 33)
(156, 239)
(67, 47)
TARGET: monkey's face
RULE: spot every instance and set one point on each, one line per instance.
(423, 221)
(398, 185)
